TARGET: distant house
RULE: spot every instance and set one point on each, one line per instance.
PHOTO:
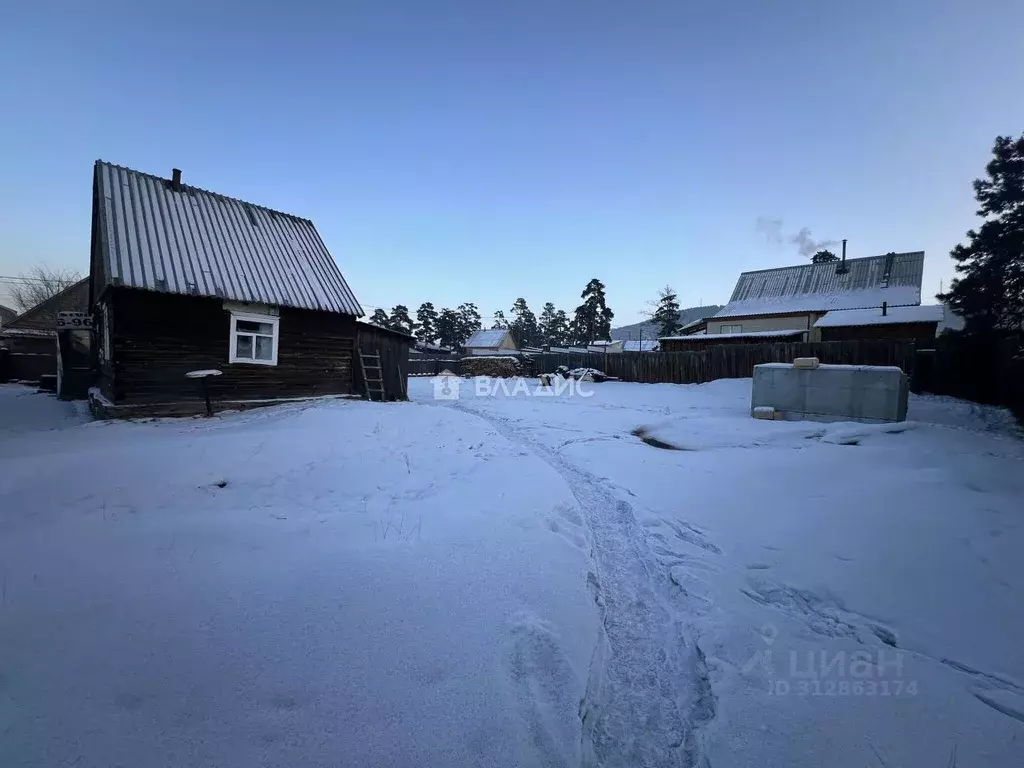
(700, 325)
(6, 315)
(30, 339)
(183, 279)
(495, 341)
(606, 347)
(786, 303)
(640, 345)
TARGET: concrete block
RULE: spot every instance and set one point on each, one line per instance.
(830, 392)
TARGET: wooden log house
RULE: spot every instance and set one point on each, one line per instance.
(182, 279)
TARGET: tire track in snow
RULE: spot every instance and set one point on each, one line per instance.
(648, 693)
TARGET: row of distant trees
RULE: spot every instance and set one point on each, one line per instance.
(39, 284)
(988, 291)
(590, 321)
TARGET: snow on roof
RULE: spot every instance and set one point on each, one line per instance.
(641, 345)
(929, 313)
(894, 278)
(422, 346)
(194, 242)
(712, 337)
(832, 367)
(692, 324)
(604, 343)
(488, 338)
(570, 350)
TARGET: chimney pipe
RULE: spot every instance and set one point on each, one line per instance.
(842, 269)
(176, 180)
(885, 308)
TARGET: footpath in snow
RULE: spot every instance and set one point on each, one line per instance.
(511, 580)
(838, 594)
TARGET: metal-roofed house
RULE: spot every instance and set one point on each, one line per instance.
(493, 341)
(784, 303)
(183, 279)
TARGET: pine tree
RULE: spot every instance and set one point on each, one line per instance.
(823, 257)
(469, 321)
(524, 326)
(500, 323)
(592, 320)
(449, 324)
(666, 313)
(558, 330)
(380, 317)
(547, 317)
(400, 320)
(989, 291)
(426, 316)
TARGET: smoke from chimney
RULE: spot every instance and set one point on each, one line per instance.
(803, 240)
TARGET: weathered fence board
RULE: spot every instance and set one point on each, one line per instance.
(730, 362)
(986, 370)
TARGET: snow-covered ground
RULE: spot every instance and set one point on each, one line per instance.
(511, 580)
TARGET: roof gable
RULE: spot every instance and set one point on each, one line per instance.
(190, 241)
(43, 316)
(869, 281)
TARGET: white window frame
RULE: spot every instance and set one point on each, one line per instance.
(252, 317)
(732, 329)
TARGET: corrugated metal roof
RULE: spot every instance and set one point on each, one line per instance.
(809, 287)
(194, 242)
(641, 345)
(929, 313)
(487, 339)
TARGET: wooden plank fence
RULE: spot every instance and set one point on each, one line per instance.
(730, 361)
(983, 369)
(432, 367)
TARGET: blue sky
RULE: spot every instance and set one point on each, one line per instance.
(484, 150)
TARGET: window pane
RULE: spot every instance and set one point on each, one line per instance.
(264, 347)
(250, 327)
(243, 347)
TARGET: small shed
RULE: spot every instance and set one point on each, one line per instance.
(495, 341)
(183, 279)
(392, 348)
(918, 323)
(30, 339)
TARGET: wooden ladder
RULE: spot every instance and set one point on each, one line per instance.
(372, 375)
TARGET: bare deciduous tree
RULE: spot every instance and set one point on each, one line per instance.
(39, 284)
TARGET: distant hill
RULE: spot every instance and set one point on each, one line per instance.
(650, 330)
